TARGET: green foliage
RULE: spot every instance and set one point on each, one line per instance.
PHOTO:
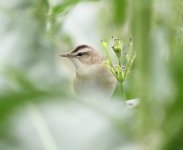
(33, 28)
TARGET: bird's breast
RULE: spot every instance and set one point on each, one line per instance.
(100, 83)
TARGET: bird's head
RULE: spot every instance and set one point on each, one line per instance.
(83, 56)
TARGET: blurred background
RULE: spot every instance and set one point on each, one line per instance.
(38, 108)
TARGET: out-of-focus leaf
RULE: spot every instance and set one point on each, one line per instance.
(173, 122)
(120, 7)
(64, 6)
(40, 11)
(26, 91)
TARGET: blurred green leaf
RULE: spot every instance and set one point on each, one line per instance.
(60, 8)
(120, 11)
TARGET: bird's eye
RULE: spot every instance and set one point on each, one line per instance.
(79, 54)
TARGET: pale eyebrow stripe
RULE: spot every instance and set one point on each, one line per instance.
(83, 52)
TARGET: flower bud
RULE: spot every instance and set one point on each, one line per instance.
(104, 44)
(117, 47)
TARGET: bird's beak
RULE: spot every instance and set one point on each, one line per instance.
(68, 55)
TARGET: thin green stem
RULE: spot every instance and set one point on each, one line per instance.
(126, 70)
(107, 53)
(120, 63)
(123, 91)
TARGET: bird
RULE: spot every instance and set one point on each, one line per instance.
(92, 78)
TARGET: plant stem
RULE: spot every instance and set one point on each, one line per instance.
(107, 53)
(123, 91)
(121, 83)
(120, 64)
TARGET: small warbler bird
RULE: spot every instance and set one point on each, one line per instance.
(92, 78)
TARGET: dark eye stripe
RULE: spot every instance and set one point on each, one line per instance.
(81, 53)
(80, 47)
